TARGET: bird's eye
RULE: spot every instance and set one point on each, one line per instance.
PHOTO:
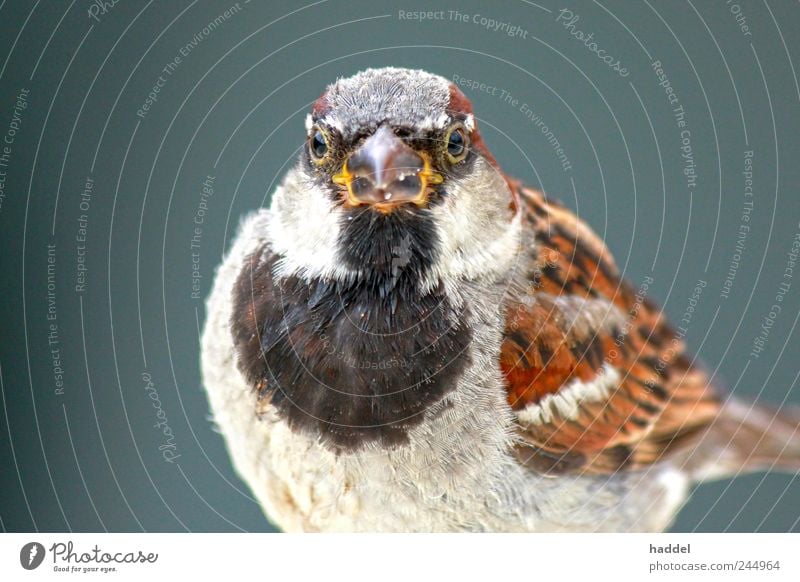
(456, 144)
(319, 145)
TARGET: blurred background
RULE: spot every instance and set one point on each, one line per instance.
(135, 135)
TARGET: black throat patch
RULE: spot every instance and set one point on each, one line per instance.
(353, 362)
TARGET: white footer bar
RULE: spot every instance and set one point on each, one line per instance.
(410, 558)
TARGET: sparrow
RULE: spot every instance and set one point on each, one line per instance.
(410, 340)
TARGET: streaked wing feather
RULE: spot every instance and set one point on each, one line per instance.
(598, 379)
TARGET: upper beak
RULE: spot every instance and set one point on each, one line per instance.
(384, 172)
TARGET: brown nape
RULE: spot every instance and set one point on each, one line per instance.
(320, 106)
(513, 185)
(460, 106)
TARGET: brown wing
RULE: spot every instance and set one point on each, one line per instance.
(598, 379)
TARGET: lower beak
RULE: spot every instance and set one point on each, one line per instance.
(384, 173)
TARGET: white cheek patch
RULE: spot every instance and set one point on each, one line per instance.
(305, 231)
(309, 122)
(478, 238)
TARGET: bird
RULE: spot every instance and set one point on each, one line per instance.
(409, 340)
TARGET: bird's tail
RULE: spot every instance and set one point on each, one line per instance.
(745, 438)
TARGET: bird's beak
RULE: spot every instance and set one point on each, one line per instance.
(385, 173)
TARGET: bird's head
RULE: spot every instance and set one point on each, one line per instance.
(394, 176)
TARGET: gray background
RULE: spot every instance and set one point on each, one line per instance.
(89, 459)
